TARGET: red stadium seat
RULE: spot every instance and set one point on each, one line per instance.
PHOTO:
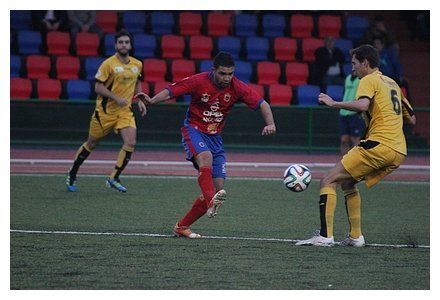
(301, 26)
(280, 94)
(258, 88)
(58, 43)
(329, 26)
(87, 44)
(67, 67)
(21, 88)
(181, 68)
(160, 86)
(309, 45)
(218, 24)
(190, 23)
(200, 47)
(172, 46)
(37, 66)
(107, 20)
(268, 72)
(296, 73)
(285, 49)
(49, 89)
(154, 69)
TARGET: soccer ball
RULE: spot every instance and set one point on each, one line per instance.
(297, 178)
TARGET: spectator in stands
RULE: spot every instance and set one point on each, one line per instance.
(83, 21)
(50, 20)
(389, 60)
(329, 61)
(379, 29)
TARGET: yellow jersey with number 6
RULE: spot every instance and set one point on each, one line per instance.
(388, 107)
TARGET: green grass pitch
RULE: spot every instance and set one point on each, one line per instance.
(393, 213)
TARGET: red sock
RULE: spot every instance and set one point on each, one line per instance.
(197, 210)
(206, 183)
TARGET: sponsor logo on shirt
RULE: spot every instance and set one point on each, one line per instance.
(227, 97)
(119, 69)
(205, 97)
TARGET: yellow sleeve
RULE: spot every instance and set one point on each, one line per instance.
(366, 88)
(103, 72)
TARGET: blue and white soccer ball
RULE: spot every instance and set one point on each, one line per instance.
(297, 178)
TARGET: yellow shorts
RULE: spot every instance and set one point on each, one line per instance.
(371, 162)
(102, 124)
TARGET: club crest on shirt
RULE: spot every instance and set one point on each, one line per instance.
(227, 97)
(134, 69)
(205, 97)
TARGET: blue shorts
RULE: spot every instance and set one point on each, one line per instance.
(352, 125)
(196, 142)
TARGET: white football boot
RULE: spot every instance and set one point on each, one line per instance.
(215, 203)
(317, 240)
(349, 241)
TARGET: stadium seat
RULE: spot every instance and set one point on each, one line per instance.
(285, 49)
(268, 72)
(107, 20)
(29, 42)
(87, 44)
(144, 45)
(218, 24)
(109, 44)
(280, 94)
(172, 46)
(345, 45)
(15, 66)
(160, 86)
(162, 23)
(67, 67)
(257, 48)
(21, 20)
(181, 68)
(258, 88)
(200, 47)
(355, 27)
(273, 25)
(49, 89)
(58, 43)
(307, 94)
(91, 66)
(190, 23)
(243, 70)
(230, 44)
(347, 67)
(134, 21)
(21, 88)
(329, 25)
(246, 25)
(296, 73)
(37, 66)
(335, 91)
(154, 69)
(206, 65)
(78, 89)
(301, 26)
(309, 45)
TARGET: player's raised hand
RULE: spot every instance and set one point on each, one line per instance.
(325, 99)
(144, 98)
(269, 129)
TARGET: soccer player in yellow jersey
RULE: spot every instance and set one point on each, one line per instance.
(382, 150)
(117, 81)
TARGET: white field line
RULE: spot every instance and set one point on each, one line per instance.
(205, 237)
(184, 163)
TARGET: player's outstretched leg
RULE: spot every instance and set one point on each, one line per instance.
(124, 157)
(80, 156)
(183, 231)
(216, 203)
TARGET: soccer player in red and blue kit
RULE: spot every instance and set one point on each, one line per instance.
(213, 94)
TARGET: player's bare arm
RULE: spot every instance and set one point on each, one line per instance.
(142, 107)
(103, 91)
(160, 97)
(360, 105)
(266, 112)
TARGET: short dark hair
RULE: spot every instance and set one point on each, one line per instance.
(223, 59)
(122, 32)
(366, 52)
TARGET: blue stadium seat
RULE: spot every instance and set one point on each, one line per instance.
(336, 92)
(307, 94)
(15, 66)
(206, 65)
(243, 70)
(162, 23)
(347, 68)
(21, 20)
(91, 65)
(134, 21)
(78, 89)
(29, 42)
(109, 44)
(230, 44)
(257, 48)
(355, 26)
(246, 25)
(144, 45)
(345, 45)
(273, 25)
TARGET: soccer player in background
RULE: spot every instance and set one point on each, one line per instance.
(117, 80)
(381, 152)
(213, 94)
